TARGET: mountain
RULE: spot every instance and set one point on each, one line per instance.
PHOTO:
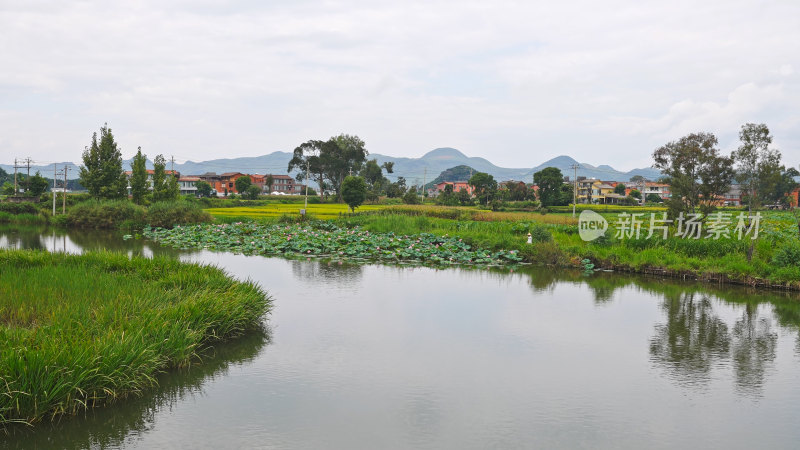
(414, 170)
(602, 172)
(457, 173)
(431, 164)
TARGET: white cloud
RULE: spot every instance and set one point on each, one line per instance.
(513, 81)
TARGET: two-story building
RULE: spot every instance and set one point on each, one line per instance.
(187, 185)
(457, 186)
(284, 184)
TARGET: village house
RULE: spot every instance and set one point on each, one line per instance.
(457, 186)
(284, 184)
(150, 173)
(187, 185)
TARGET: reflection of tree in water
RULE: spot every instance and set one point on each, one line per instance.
(603, 285)
(753, 351)
(328, 272)
(111, 240)
(23, 237)
(691, 340)
(112, 426)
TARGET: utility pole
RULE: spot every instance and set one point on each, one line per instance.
(64, 199)
(424, 179)
(305, 203)
(15, 176)
(172, 165)
(574, 167)
(53, 192)
(28, 164)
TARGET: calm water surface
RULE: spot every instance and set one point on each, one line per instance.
(369, 356)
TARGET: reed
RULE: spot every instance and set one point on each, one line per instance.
(80, 331)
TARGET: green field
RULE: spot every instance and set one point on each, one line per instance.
(320, 211)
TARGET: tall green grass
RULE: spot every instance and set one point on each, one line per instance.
(774, 257)
(84, 331)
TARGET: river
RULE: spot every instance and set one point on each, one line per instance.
(372, 356)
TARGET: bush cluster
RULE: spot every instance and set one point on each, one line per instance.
(167, 214)
(105, 214)
(18, 208)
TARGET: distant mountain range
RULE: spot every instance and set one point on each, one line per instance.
(414, 170)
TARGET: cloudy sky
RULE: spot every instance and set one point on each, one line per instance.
(514, 82)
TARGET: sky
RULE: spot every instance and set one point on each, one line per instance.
(516, 82)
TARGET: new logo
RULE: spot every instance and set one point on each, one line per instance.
(591, 225)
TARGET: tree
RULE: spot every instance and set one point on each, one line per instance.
(173, 190)
(330, 160)
(5, 177)
(652, 198)
(619, 189)
(242, 183)
(306, 159)
(630, 201)
(550, 181)
(635, 193)
(695, 170)
(268, 182)
(373, 175)
(160, 187)
(37, 184)
(139, 177)
(464, 197)
(345, 156)
(411, 197)
(101, 172)
(784, 187)
(637, 179)
(758, 167)
(252, 192)
(396, 189)
(203, 189)
(354, 191)
(447, 197)
(484, 186)
(518, 192)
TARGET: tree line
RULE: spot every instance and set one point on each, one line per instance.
(699, 174)
(103, 176)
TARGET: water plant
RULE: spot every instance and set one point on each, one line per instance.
(588, 266)
(327, 239)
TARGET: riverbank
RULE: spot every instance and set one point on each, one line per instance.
(772, 260)
(81, 331)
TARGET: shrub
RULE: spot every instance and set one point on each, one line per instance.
(18, 208)
(411, 198)
(105, 214)
(169, 214)
(787, 256)
(540, 233)
(546, 253)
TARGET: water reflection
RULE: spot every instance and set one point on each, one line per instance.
(327, 272)
(121, 423)
(692, 340)
(77, 241)
(754, 347)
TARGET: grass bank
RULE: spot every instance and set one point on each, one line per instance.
(80, 331)
(772, 260)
